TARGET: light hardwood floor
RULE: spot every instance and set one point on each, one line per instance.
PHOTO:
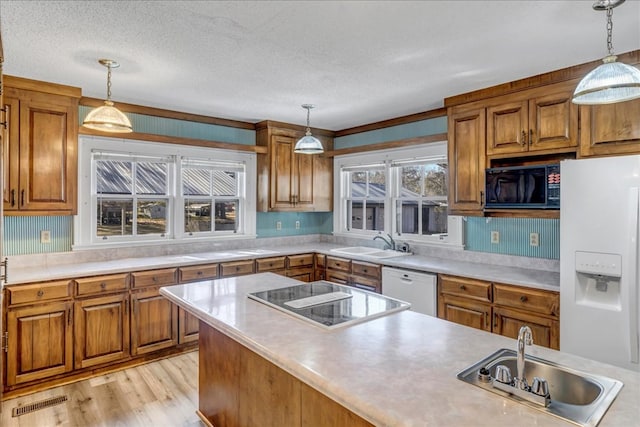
(161, 393)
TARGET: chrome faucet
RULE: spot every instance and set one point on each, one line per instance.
(388, 243)
(524, 338)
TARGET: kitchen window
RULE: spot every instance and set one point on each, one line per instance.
(146, 192)
(402, 192)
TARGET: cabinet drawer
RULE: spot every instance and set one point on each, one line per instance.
(366, 269)
(163, 277)
(341, 264)
(269, 264)
(366, 283)
(37, 292)
(337, 277)
(101, 284)
(469, 288)
(535, 300)
(304, 260)
(236, 268)
(198, 272)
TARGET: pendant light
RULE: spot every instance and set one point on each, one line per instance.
(612, 81)
(308, 144)
(108, 118)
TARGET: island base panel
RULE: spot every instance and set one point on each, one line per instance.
(238, 387)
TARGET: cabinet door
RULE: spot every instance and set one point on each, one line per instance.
(154, 322)
(507, 322)
(48, 158)
(610, 129)
(188, 327)
(507, 128)
(465, 312)
(466, 151)
(40, 342)
(303, 177)
(102, 330)
(11, 142)
(282, 171)
(553, 122)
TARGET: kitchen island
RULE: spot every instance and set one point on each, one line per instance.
(396, 370)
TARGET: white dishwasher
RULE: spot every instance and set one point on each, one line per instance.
(418, 289)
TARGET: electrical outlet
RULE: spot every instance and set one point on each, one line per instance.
(495, 237)
(278, 225)
(297, 225)
(45, 236)
(534, 239)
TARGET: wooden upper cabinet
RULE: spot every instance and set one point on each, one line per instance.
(532, 121)
(288, 181)
(610, 129)
(40, 147)
(467, 161)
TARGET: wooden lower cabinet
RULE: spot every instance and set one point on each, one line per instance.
(40, 342)
(466, 312)
(101, 330)
(545, 331)
(154, 322)
(500, 308)
(188, 326)
(237, 387)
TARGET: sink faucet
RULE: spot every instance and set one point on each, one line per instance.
(524, 338)
(388, 243)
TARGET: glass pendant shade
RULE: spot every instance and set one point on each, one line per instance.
(108, 118)
(610, 82)
(308, 144)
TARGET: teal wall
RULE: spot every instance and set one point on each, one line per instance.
(426, 127)
(310, 223)
(22, 234)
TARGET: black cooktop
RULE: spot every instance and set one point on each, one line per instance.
(352, 305)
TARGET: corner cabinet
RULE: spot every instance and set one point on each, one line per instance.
(40, 147)
(291, 182)
(467, 161)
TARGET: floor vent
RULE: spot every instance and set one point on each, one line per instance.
(31, 407)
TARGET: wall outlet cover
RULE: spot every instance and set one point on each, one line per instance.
(534, 239)
(495, 237)
(297, 225)
(278, 225)
(45, 236)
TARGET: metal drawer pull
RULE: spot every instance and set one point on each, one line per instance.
(40, 292)
(463, 288)
(103, 285)
(523, 298)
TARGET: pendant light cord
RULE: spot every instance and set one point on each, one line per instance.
(610, 30)
(109, 82)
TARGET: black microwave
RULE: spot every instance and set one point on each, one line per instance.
(523, 187)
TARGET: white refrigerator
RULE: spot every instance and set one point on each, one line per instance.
(599, 298)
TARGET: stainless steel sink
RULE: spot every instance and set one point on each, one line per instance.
(576, 396)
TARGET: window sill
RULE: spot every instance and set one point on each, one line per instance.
(164, 242)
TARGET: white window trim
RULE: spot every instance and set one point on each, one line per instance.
(455, 234)
(84, 222)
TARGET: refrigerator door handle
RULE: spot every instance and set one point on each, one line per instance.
(632, 278)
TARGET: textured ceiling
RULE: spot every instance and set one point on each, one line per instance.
(359, 62)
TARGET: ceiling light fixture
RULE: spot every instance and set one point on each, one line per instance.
(612, 81)
(108, 118)
(308, 144)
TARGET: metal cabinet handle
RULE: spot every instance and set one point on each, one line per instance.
(22, 198)
(523, 298)
(524, 138)
(199, 273)
(486, 318)
(463, 288)
(40, 293)
(531, 137)
(13, 197)
(103, 285)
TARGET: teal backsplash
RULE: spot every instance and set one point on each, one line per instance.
(310, 223)
(514, 236)
(22, 234)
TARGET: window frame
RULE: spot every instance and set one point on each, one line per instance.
(85, 227)
(388, 157)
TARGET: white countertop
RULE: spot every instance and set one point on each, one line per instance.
(397, 370)
(504, 274)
